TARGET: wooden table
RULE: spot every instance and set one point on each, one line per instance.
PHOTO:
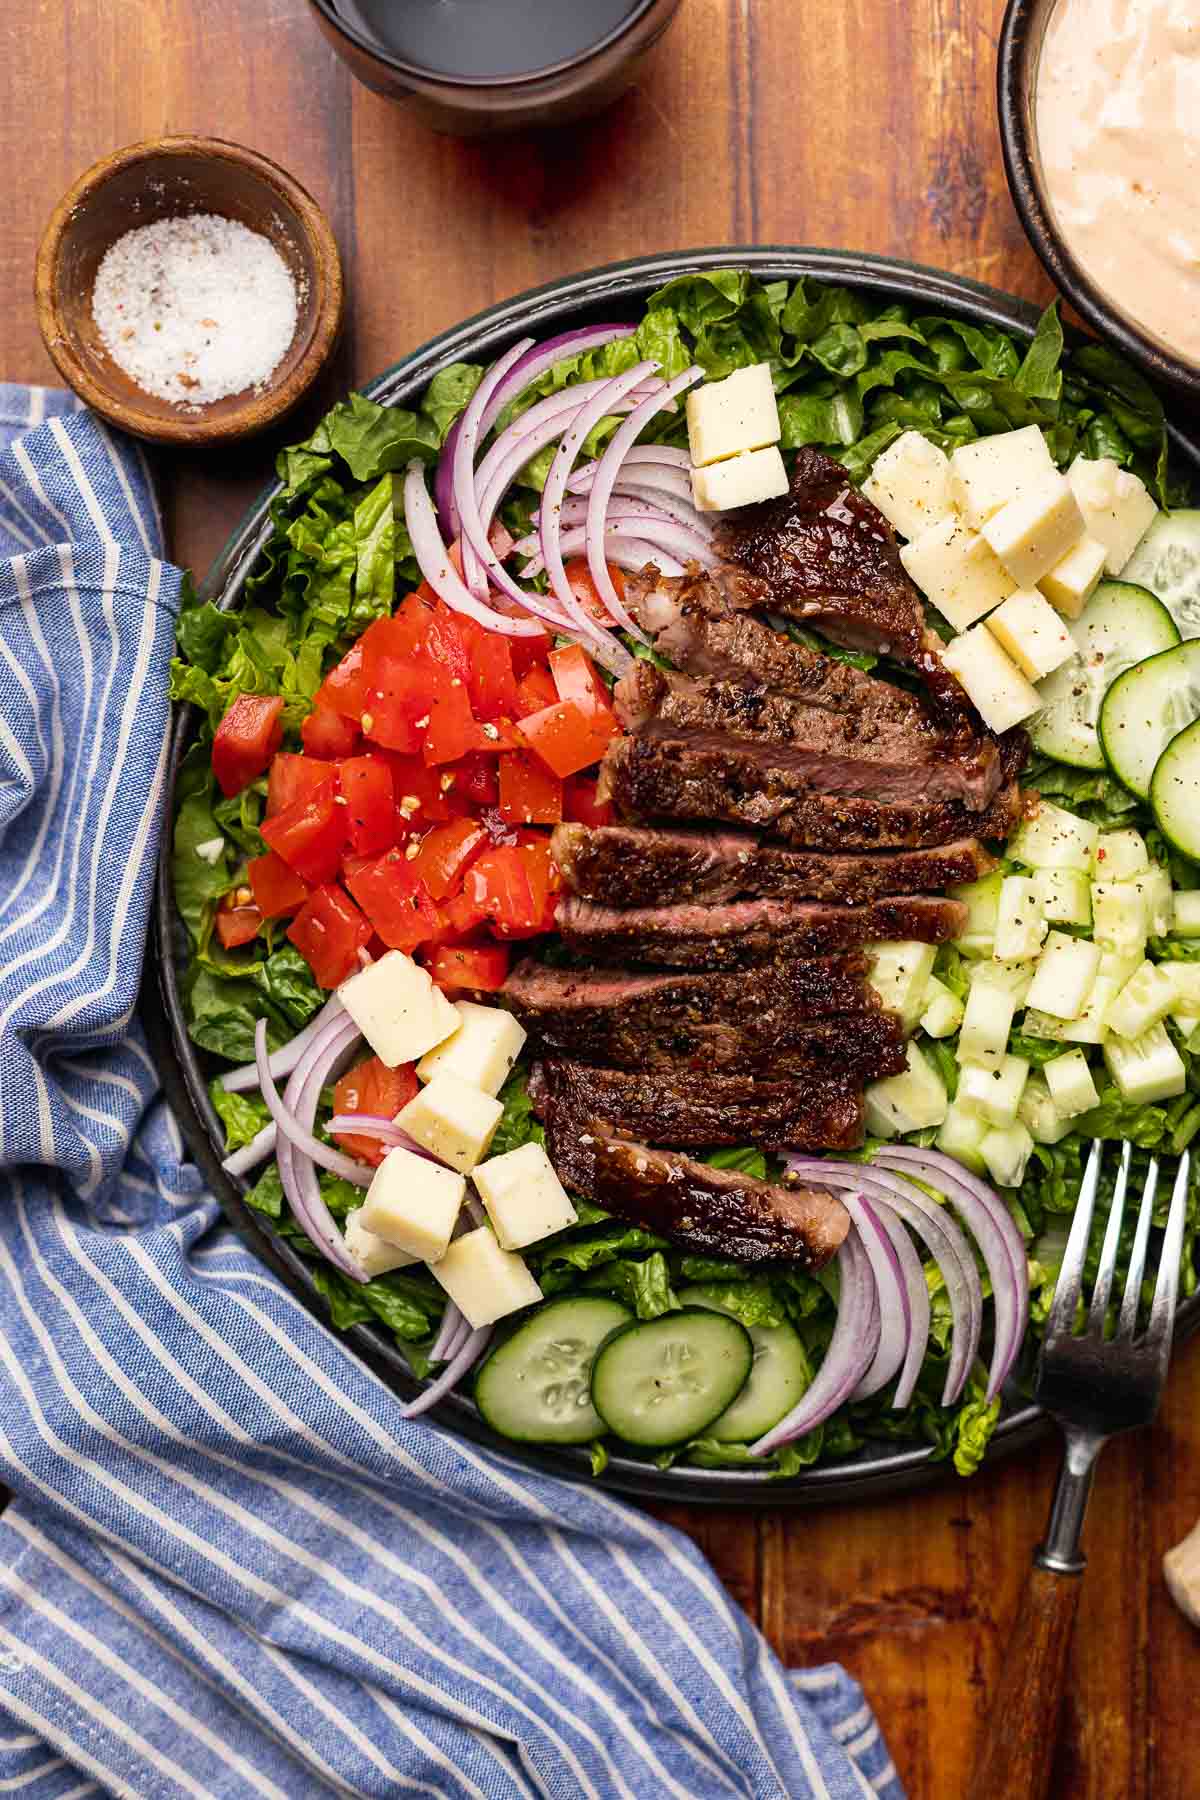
(865, 124)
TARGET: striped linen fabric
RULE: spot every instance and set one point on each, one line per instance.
(230, 1568)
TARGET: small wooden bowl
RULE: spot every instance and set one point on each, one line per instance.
(161, 179)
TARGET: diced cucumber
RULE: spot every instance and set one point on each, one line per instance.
(1039, 1115)
(1148, 1069)
(1065, 894)
(1070, 1084)
(1010, 978)
(1119, 919)
(1052, 838)
(1167, 561)
(962, 1132)
(899, 973)
(1020, 921)
(1147, 997)
(1091, 1027)
(1185, 914)
(1120, 855)
(1121, 625)
(778, 1377)
(1007, 1154)
(982, 900)
(986, 1024)
(943, 1012)
(1184, 978)
(910, 1101)
(995, 1094)
(1144, 709)
(1175, 791)
(659, 1382)
(1154, 886)
(1065, 972)
(535, 1387)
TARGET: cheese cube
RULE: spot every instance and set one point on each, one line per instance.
(990, 472)
(1052, 838)
(960, 1135)
(899, 975)
(1020, 921)
(1070, 584)
(1120, 855)
(982, 900)
(1146, 997)
(998, 690)
(412, 1204)
(1154, 886)
(1066, 969)
(481, 1052)
(987, 1021)
(727, 417)
(943, 1010)
(1006, 1153)
(452, 1120)
(740, 481)
(1065, 895)
(1070, 1083)
(1031, 632)
(957, 571)
(994, 1094)
(1116, 507)
(1039, 1115)
(910, 484)
(910, 1101)
(374, 1255)
(1148, 1069)
(1034, 531)
(485, 1282)
(397, 1008)
(1185, 914)
(525, 1200)
(1119, 919)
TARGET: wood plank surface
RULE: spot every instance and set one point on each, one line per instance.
(864, 124)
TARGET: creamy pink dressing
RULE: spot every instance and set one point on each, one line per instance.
(1118, 125)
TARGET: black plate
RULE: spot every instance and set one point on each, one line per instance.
(616, 291)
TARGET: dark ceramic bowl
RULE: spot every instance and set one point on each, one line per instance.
(1021, 39)
(601, 294)
(475, 106)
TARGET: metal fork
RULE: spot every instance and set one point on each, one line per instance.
(1094, 1387)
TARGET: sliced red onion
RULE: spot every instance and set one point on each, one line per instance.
(999, 1242)
(653, 478)
(370, 1125)
(296, 1171)
(464, 1360)
(663, 454)
(627, 550)
(543, 356)
(681, 510)
(436, 567)
(250, 1155)
(622, 510)
(915, 1286)
(850, 1354)
(463, 489)
(895, 1312)
(443, 486)
(297, 1134)
(449, 1332)
(282, 1062)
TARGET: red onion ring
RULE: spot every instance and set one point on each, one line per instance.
(463, 468)
(435, 565)
(919, 1310)
(449, 1332)
(895, 1312)
(681, 510)
(465, 1358)
(661, 454)
(622, 510)
(297, 1134)
(536, 361)
(621, 547)
(282, 1062)
(850, 1354)
(261, 1145)
(297, 1173)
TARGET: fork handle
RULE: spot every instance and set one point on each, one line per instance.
(1022, 1734)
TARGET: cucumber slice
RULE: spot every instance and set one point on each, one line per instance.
(1175, 792)
(661, 1382)
(535, 1387)
(778, 1377)
(1145, 708)
(1120, 625)
(1167, 561)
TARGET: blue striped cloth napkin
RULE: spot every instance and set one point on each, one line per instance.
(230, 1568)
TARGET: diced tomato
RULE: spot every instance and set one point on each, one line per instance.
(476, 780)
(397, 699)
(310, 834)
(294, 778)
(535, 691)
(529, 653)
(579, 580)
(445, 643)
(329, 931)
(329, 734)
(344, 689)
(566, 739)
(421, 800)
(461, 917)
(544, 882)
(396, 901)
(492, 684)
(515, 887)
(458, 967)
(451, 729)
(371, 1087)
(580, 803)
(246, 740)
(237, 923)
(530, 794)
(277, 889)
(575, 679)
(446, 853)
(370, 804)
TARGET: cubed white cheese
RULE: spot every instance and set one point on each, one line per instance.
(1020, 921)
(397, 1008)
(724, 418)
(1154, 886)
(452, 1120)
(899, 974)
(982, 901)
(485, 1282)
(991, 471)
(960, 1135)
(1065, 895)
(1146, 997)
(481, 1052)
(1185, 914)
(525, 1200)
(996, 687)
(1033, 532)
(910, 1101)
(1148, 1069)
(994, 1093)
(1066, 969)
(943, 1010)
(1052, 838)
(910, 484)
(1120, 855)
(374, 1255)
(1006, 1153)
(957, 571)
(1119, 919)
(413, 1204)
(1039, 1115)
(1070, 584)
(1070, 1083)
(740, 481)
(987, 1021)
(1029, 630)
(1116, 507)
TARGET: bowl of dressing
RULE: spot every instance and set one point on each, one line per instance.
(1099, 106)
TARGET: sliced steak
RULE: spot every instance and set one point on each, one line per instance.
(807, 746)
(670, 1107)
(775, 1019)
(713, 1211)
(647, 780)
(628, 865)
(692, 935)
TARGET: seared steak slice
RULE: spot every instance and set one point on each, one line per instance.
(648, 780)
(822, 1113)
(809, 747)
(773, 1019)
(692, 935)
(627, 865)
(713, 1211)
